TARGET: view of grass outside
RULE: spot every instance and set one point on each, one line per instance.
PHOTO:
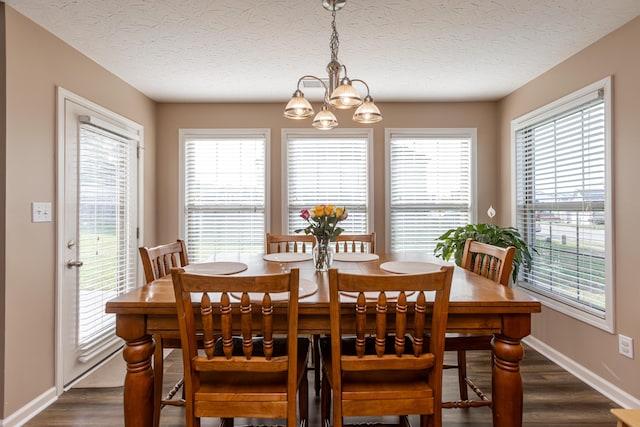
(106, 236)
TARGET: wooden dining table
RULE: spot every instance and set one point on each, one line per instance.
(477, 306)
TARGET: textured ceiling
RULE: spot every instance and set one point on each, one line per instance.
(254, 50)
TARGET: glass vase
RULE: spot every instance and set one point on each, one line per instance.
(323, 254)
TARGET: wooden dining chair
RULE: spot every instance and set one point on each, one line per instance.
(494, 263)
(365, 243)
(277, 243)
(375, 373)
(254, 375)
(157, 262)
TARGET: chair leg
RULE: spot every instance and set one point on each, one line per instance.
(303, 401)
(462, 374)
(158, 370)
(325, 402)
(316, 363)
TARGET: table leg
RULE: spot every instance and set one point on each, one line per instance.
(506, 384)
(138, 382)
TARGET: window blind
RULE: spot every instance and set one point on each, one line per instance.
(561, 199)
(107, 232)
(328, 169)
(224, 194)
(430, 188)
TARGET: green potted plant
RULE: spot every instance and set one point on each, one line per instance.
(452, 242)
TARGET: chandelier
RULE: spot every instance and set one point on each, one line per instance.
(339, 94)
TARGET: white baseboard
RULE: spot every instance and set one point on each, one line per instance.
(621, 397)
(30, 410)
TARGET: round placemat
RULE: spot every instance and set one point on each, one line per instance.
(288, 257)
(409, 267)
(354, 256)
(216, 268)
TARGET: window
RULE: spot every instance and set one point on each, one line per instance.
(563, 202)
(223, 201)
(328, 168)
(430, 185)
(107, 221)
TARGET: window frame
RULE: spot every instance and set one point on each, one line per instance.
(431, 133)
(288, 133)
(214, 133)
(558, 107)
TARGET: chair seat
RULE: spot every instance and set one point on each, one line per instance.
(242, 386)
(392, 383)
(267, 386)
(368, 392)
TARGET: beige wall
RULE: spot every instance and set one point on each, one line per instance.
(37, 62)
(172, 117)
(616, 55)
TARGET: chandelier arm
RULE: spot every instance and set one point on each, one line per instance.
(309, 76)
(363, 82)
(342, 68)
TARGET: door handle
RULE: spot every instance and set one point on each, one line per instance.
(71, 264)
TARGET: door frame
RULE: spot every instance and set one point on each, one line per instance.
(62, 96)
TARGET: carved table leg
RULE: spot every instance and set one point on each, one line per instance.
(506, 384)
(138, 382)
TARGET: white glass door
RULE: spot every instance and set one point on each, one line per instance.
(100, 236)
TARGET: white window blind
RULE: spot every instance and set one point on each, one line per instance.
(107, 231)
(430, 187)
(224, 193)
(561, 167)
(328, 169)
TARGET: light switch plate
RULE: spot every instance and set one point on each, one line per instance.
(41, 212)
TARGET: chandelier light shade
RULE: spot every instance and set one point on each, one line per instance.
(324, 120)
(345, 96)
(298, 107)
(339, 94)
(368, 112)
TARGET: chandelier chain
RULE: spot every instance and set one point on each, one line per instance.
(334, 45)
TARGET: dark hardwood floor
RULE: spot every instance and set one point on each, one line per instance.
(552, 397)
